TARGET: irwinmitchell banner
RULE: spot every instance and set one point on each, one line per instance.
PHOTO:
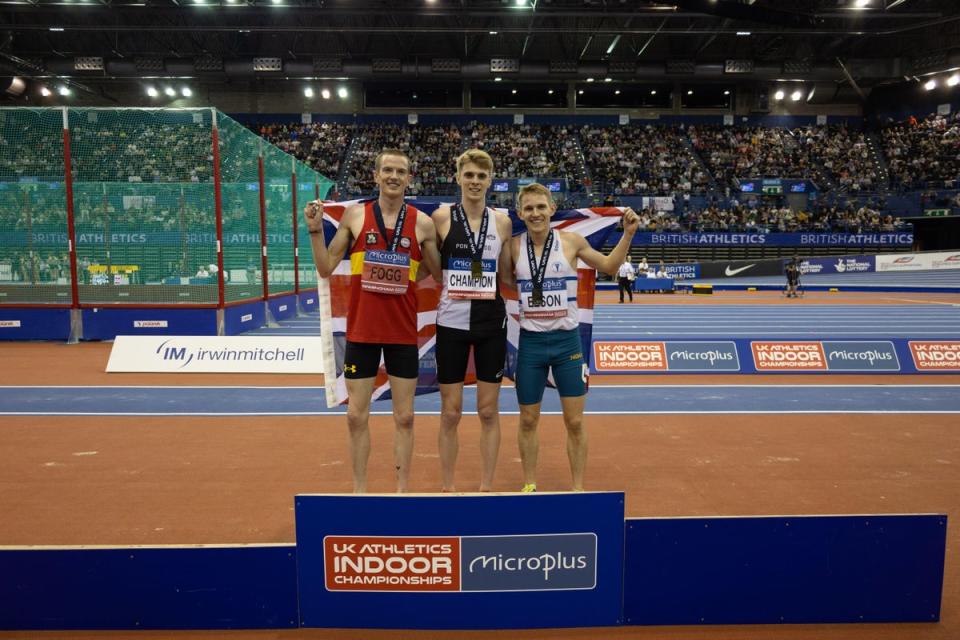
(215, 354)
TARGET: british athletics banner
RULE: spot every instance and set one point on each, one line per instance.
(809, 239)
(334, 296)
(56, 236)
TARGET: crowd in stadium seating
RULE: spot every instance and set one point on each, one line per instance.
(531, 150)
(433, 150)
(321, 145)
(844, 154)
(849, 219)
(924, 154)
(650, 160)
(750, 152)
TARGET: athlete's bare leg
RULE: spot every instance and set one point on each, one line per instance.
(576, 437)
(402, 391)
(358, 422)
(451, 402)
(528, 442)
(488, 410)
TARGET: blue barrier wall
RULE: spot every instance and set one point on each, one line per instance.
(244, 317)
(805, 569)
(29, 323)
(246, 587)
(104, 323)
(796, 569)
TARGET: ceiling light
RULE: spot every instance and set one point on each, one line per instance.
(778, 95)
(653, 92)
(56, 28)
(521, 3)
(342, 92)
(325, 94)
(186, 92)
(608, 79)
(276, 1)
(743, 33)
(690, 92)
(169, 91)
(152, 92)
(63, 90)
(550, 91)
(796, 95)
(727, 92)
(953, 80)
(930, 85)
(497, 79)
(46, 93)
(862, 3)
(493, 33)
(308, 92)
(589, 79)
(514, 91)
(580, 93)
(617, 92)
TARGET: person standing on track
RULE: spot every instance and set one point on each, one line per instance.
(388, 241)
(474, 246)
(545, 265)
(625, 276)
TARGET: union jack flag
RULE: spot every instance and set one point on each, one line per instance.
(595, 224)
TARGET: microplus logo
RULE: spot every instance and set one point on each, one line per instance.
(702, 356)
(861, 355)
(529, 563)
(185, 355)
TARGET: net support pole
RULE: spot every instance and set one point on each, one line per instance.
(264, 263)
(218, 205)
(263, 227)
(296, 236)
(76, 319)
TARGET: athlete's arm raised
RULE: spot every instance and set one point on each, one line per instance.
(608, 264)
(327, 258)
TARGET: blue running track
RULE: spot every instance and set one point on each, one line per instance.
(602, 399)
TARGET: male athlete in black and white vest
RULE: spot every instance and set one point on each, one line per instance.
(471, 314)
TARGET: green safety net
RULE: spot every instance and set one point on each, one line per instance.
(278, 179)
(240, 187)
(144, 211)
(34, 245)
(310, 186)
(145, 208)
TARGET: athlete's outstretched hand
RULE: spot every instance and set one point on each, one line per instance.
(313, 214)
(631, 221)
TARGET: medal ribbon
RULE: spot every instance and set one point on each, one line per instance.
(538, 271)
(397, 228)
(476, 248)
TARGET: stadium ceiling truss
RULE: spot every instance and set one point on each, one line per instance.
(99, 41)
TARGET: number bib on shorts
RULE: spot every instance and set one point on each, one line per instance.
(461, 285)
(385, 272)
(553, 305)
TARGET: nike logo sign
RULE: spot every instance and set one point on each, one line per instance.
(732, 272)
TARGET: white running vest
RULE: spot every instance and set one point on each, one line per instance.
(559, 308)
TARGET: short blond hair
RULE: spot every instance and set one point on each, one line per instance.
(534, 188)
(390, 152)
(478, 157)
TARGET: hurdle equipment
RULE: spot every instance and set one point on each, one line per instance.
(702, 289)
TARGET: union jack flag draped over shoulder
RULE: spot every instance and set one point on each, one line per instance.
(594, 224)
